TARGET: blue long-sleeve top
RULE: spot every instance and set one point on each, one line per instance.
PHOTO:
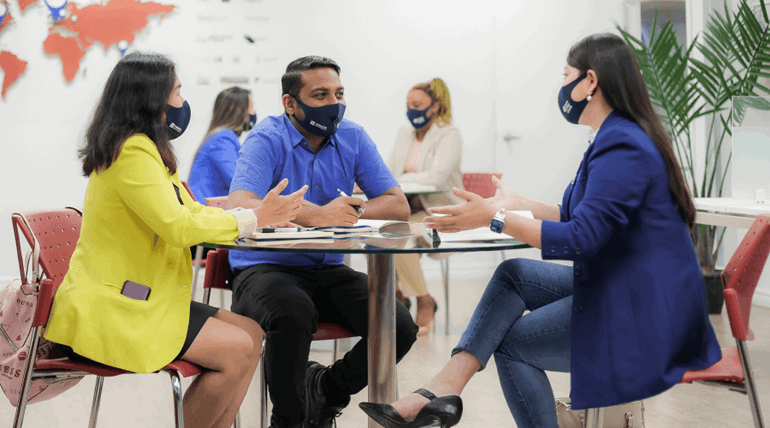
(214, 165)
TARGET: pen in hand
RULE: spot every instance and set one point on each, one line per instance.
(357, 207)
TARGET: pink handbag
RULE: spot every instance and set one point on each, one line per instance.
(17, 308)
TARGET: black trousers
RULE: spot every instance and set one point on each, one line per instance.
(288, 303)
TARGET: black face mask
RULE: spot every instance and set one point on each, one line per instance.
(250, 123)
(322, 121)
(177, 119)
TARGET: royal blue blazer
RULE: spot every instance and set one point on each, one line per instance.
(639, 312)
(214, 166)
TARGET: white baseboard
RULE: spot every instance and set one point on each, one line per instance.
(762, 298)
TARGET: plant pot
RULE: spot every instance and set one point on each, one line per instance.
(714, 291)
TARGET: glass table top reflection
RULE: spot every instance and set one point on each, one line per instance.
(399, 237)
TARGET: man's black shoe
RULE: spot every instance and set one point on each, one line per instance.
(317, 413)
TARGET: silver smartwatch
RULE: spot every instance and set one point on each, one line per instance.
(498, 222)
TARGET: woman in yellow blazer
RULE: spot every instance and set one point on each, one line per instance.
(126, 299)
(427, 151)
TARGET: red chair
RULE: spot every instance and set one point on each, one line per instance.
(480, 183)
(218, 276)
(57, 232)
(740, 278)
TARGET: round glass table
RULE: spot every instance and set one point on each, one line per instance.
(400, 238)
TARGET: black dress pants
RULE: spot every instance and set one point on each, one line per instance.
(288, 303)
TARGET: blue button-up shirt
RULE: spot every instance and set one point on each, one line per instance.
(214, 165)
(275, 150)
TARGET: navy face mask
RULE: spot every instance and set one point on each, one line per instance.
(322, 121)
(571, 109)
(177, 119)
(418, 118)
(250, 123)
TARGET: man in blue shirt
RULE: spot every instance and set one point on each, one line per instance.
(289, 294)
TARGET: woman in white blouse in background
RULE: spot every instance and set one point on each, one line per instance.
(427, 151)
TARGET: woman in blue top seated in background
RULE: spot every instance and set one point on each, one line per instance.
(629, 317)
(214, 164)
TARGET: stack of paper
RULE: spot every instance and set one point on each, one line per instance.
(283, 234)
(417, 188)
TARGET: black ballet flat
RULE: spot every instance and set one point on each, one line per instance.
(441, 412)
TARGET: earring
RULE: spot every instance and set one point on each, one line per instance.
(588, 98)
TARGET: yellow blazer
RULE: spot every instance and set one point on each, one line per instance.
(134, 228)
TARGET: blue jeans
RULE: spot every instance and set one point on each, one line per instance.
(524, 346)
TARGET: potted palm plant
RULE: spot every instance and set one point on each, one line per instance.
(735, 46)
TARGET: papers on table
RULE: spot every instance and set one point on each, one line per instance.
(415, 188)
(481, 233)
(281, 234)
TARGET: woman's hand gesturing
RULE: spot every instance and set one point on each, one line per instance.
(504, 197)
(277, 208)
(475, 212)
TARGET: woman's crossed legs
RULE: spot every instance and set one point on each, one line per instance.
(524, 346)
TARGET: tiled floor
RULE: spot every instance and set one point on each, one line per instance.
(145, 400)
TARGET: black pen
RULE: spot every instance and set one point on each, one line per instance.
(357, 207)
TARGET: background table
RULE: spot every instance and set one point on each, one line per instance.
(728, 212)
(382, 285)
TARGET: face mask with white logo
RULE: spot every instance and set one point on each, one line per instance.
(250, 123)
(322, 121)
(418, 118)
(571, 109)
(177, 119)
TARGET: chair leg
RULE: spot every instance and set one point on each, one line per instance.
(595, 417)
(176, 387)
(21, 408)
(335, 350)
(237, 421)
(263, 393)
(96, 401)
(445, 277)
(196, 268)
(751, 387)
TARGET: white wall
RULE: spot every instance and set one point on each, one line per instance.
(501, 60)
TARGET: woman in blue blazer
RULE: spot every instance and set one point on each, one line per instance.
(629, 317)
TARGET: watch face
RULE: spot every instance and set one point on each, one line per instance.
(497, 225)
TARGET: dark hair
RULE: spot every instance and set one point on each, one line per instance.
(133, 102)
(291, 81)
(230, 108)
(623, 87)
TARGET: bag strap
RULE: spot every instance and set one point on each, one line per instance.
(35, 252)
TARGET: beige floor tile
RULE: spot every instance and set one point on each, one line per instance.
(145, 400)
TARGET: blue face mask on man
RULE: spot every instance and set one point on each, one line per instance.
(571, 109)
(322, 121)
(177, 119)
(418, 118)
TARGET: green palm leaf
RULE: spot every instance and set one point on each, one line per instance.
(672, 88)
(736, 57)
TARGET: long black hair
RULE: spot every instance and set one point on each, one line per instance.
(624, 90)
(133, 102)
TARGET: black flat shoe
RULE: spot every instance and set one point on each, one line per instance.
(441, 412)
